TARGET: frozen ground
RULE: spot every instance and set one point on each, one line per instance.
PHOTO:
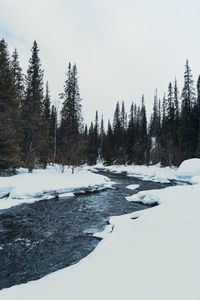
(148, 255)
(46, 184)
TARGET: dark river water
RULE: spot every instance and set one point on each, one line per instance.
(39, 238)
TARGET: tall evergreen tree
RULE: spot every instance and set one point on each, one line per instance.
(10, 134)
(108, 146)
(93, 142)
(131, 135)
(102, 139)
(69, 140)
(18, 77)
(117, 135)
(188, 138)
(142, 155)
(32, 110)
(53, 132)
(46, 153)
(198, 117)
(155, 131)
(123, 129)
(167, 130)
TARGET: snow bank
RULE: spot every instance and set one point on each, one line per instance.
(153, 173)
(46, 184)
(189, 168)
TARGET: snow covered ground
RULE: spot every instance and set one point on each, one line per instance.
(147, 255)
(153, 173)
(46, 184)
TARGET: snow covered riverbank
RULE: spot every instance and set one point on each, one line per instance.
(46, 184)
(149, 255)
(153, 173)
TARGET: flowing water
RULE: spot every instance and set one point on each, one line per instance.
(39, 238)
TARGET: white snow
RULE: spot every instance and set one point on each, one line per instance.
(132, 186)
(108, 229)
(149, 255)
(46, 184)
(153, 173)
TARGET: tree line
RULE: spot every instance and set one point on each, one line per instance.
(32, 134)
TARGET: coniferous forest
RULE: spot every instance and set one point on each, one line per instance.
(32, 134)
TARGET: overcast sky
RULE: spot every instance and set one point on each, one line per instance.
(122, 49)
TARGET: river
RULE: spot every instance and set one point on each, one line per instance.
(42, 237)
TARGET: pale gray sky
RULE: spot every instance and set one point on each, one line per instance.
(123, 49)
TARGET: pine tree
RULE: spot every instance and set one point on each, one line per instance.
(155, 131)
(46, 153)
(167, 130)
(70, 138)
(18, 77)
(188, 138)
(102, 139)
(53, 132)
(93, 142)
(176, 134)
(123, 120)
(109, 145)
(117, 136)
(142, 157)
(10, 133)
(176, 100)
(32, 110)
(131, 135)
(198, 117)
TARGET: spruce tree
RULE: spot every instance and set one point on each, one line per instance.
(188, 138)
(143, 156)
(93, 142)
(109, 146)
(102, 139)
(131, 136)
(123, 129)
(10, 133)
(70, 144)
(198, 117)
(53, 132)
(155, 131)
(32, 111)
(18, 77)
(117, 136)
(46, 153)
